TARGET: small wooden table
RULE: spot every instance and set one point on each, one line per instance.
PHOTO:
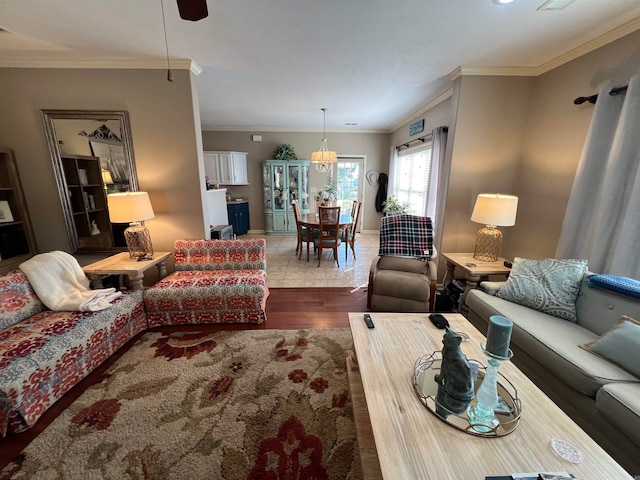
(413, 443)
(123, 264)
(476, 271)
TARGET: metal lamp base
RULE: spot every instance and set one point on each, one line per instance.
(139, 242)
(488, 244)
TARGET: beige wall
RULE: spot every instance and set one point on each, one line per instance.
(555, 135)
(484, 144)
(166, 135)
(438, 116)
(524, 136)
(375, 146)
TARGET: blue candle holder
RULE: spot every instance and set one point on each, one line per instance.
(482, 415)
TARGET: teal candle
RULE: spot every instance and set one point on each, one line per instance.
(499, 335)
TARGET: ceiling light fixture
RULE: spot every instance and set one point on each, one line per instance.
(502, 2)
(324, 157)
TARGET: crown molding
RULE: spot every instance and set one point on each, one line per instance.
(115, 63)
(258, 129)
(566, 57)
(425, 108)
(591, 45)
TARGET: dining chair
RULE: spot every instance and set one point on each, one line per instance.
(349, 235)
(305, 235)
(328, 235)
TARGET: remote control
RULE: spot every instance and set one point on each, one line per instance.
(438, 320)
(508, 264)
(368, 321)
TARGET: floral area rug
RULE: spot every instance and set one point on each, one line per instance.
(267, 404)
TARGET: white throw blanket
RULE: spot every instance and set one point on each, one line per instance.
(61, 285)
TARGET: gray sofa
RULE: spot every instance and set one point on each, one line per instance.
(598, 395)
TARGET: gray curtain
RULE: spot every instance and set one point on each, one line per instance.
(602, 220)
(438, 182)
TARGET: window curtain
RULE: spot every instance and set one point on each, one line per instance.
(602, 220)
(393, 160)
(438, 182)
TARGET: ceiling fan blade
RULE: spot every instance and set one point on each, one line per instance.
(193, 10)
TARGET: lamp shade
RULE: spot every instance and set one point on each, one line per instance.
(107, 179)
(324, 156)
(129, 207)
(495, 209)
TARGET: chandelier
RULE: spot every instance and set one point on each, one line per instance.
(324, 157)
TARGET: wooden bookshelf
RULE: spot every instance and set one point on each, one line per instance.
(87, 201)
(17, 242)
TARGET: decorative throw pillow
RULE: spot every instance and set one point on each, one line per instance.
(624, 285)
(550, 286)
(620, 345)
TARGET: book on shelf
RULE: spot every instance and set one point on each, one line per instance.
(82, 176)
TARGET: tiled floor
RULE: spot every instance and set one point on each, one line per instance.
(285, 270)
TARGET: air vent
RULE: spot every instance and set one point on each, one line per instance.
(555, 4)
(351, 124)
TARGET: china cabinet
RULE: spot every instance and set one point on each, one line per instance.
(17, 242)
(226, 168)
(284, 181)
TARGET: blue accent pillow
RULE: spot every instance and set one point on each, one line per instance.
(624, 285)
(550, 286)
(620, 345)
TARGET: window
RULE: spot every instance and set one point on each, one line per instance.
(348, 183)
(411, 179)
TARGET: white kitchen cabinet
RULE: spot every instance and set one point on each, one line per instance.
(226, 168)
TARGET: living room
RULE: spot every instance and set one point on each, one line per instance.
(513, 130)
(496, 123)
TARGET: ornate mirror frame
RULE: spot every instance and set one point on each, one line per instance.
(49, 118)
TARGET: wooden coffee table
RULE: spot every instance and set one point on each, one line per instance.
(123, 264)
(400, 439)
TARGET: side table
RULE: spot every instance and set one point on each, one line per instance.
(123, 264)
(476, 271)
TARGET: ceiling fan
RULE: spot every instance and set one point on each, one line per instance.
(193, 10)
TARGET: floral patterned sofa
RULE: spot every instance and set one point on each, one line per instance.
(215, 281)
(44, 353)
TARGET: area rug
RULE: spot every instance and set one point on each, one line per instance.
(267, 404)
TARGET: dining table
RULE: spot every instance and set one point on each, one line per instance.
(312, 221)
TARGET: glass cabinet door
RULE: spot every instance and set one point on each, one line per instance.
(304, 188)
(294, 171)
(279, 192)
(266, 179)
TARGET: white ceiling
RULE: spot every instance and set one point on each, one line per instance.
(272, 64)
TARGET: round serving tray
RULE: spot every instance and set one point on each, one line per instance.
(426, 388)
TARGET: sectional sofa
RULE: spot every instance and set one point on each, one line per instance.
(44, 353)
(599, 395)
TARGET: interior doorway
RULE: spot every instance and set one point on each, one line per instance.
(349, 182)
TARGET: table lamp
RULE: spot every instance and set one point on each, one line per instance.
(492, 209)
(133, 208)
(107, 179)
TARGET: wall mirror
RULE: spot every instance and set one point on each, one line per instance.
(92, 156)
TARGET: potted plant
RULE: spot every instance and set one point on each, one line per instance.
(393, 206)
(285, 152)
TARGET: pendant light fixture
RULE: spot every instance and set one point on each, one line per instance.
(324, 157)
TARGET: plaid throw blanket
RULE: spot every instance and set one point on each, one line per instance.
(406, 236)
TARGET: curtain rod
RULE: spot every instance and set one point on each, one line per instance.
(593, 98)
(419, 139)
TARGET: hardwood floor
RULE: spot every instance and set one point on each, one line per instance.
(287, 309)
